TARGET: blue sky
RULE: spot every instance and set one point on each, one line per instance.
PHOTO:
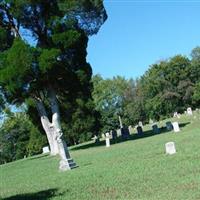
(140, 33)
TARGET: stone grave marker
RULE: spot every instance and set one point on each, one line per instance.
(119, 132)
(151, 121)
(175, 126)
(175, 114)
(45, 149)
(139, 130)
(103, 136)
(113, 134)
(140, 124)
(155, 128)
(130, 128)
(170, 148)
(125, 133)
(107, 139)
(96, 139)
(169, 126)
(189, 111)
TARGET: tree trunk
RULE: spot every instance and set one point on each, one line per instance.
(66, 161)
(47, 126)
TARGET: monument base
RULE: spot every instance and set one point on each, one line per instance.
(67, 164)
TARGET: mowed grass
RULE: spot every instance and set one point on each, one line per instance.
(133, 169)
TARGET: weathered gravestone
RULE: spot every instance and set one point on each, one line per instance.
(107, 139)
(103, 136)
(151, 121)
(45, 150)
(189, 111)
(96, 139)
(140, 124)
(169, 126)
(155, 128)
(139, 130)
(175, 126)
(125, 133)
(119, 132)
(175, 114)
(113, 134)
(170, 148)
(130, 128)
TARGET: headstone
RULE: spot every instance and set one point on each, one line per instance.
(107, 140)
(140, 124)
(103, 136)
(175, 126)
(155, 128)
(139, 130)
(170, 148)
(175, 114)
(119, 132)
(125, 133)
(45, 150)
(96, 139)
(150, 121)
(189, 111)
(130, 128)
(113, 134)
(169, 126)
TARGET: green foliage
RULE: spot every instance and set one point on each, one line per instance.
(48, 59)
(57, 59)
(108, 98)
(19, 138)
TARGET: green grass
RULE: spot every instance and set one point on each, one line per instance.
(133, 169)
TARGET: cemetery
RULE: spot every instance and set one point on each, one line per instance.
(138, 168)
(86, 117)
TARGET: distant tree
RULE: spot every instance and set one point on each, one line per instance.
(108, 95)
(53, 68)
(167, 87)
(19, 138)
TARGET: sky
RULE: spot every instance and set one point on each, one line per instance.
(138, 34)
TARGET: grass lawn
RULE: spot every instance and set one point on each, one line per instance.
(133, 169)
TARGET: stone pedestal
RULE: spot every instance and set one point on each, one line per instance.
(67, 164)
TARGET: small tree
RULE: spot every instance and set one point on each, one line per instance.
(49, 64)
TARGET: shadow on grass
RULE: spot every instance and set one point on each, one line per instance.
(148, 133)
(42, 195)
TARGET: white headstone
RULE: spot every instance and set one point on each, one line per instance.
(175, 114)
(189, 111)
(170, 148)
(130, 129)
(175, 126)
(140, 123)
(103, 136)
(107, 139)
(45, 150)
(119, 132)
(151, 121)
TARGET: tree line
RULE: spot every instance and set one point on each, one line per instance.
(168, 86)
